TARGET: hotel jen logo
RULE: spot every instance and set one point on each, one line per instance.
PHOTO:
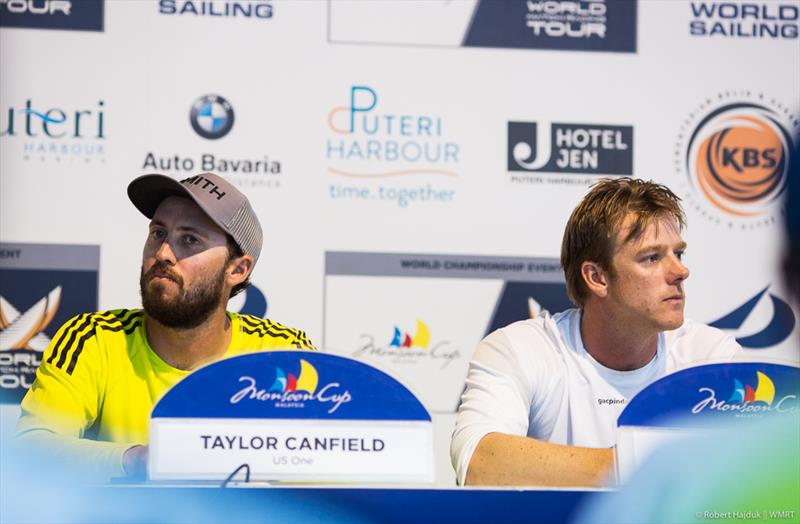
(543, 152)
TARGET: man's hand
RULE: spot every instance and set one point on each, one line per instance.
(134, 462)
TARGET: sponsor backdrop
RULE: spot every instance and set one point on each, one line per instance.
(413, 184)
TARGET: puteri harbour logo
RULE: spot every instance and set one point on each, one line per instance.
(391, 157)
(733, 155)
(745, 400)
(212, 118)
(54, 133)
(403, 348)
(538, 152)
(293, 391)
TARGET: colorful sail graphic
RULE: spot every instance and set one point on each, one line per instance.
(306, 381)
(764, 391)
(421, 338)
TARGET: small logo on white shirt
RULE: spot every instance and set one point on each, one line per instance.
(610, 401)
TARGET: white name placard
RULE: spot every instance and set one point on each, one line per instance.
(314, 450)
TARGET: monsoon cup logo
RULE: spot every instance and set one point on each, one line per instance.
(307, 381)
(746, 400)
(764, 391)
(211, 116)
(736, 159)
(406, 348)
(290, 390)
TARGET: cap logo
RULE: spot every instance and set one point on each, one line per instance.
(197, 180)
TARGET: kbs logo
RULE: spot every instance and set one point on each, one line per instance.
(76, 15)
(736, 159)
(405, 348)
(569, 149)
(292, 391)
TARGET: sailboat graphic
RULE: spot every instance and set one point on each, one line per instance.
(25, 331)
(764, 391)
(421, 338)
(306, 381)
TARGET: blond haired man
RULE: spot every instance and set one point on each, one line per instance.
(543, 395)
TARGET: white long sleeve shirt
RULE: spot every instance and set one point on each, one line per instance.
(535, 378)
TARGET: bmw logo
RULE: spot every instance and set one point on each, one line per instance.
(211, 116)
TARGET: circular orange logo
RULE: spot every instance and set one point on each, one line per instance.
(738, 158)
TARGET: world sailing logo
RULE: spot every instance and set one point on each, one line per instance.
(293, 391)
(748, 400)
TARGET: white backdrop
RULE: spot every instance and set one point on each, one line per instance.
(289, 77)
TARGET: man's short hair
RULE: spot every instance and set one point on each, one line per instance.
(592, 229)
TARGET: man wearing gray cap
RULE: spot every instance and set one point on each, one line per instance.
(103, 372)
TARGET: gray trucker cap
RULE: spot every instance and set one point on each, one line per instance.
(218, 198)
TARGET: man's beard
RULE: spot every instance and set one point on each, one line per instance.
(190, 308)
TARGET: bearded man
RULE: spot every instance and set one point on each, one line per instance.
(102, 373)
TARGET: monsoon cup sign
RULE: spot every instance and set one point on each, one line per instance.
(291, 415)
(704, 402)
(708, 395)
